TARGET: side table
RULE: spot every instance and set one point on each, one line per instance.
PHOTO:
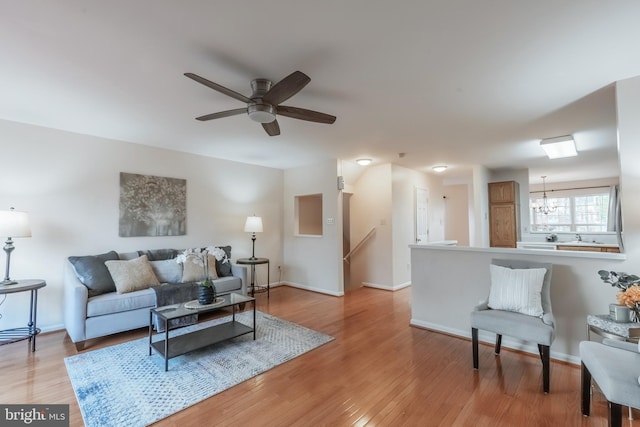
(603, 325)
(253, 262)
(30, 331)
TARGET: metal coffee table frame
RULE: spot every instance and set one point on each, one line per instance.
(170, 347)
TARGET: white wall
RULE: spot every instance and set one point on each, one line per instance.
(69, 184)
(403, 191)
(371, 208)
(457, 217)
(314, 262)
(481, 179)
(628, 110)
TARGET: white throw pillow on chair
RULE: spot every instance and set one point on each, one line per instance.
(518, 290)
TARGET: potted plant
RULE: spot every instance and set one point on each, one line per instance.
(629, 293)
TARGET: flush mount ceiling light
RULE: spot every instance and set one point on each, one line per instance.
(439, 168)
(363, 162)
(562, 146)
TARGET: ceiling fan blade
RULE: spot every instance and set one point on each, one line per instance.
(222, 114)
(286, 88)
(273, 129)
(304, 114)
(216, 86)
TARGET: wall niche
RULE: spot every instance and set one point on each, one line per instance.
(308, 215)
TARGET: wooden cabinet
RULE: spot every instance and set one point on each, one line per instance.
(502, 192)
(504, 217)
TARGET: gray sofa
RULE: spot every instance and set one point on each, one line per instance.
(93, 309)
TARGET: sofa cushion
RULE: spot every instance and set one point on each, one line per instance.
(132, 275)
(159, 254)
(116, 303)
(227, 284)
(93, 273)
(167, 271)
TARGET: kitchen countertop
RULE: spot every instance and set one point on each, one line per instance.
(554, 245)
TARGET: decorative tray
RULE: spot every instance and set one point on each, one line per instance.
(195, 305)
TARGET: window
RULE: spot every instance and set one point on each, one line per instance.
(579, 213)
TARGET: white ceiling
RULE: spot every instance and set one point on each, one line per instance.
(456, 82)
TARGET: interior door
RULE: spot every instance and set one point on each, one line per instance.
(421, 218)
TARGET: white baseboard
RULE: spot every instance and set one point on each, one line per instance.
(386, 287)
(52, 328)
(313, 289)
(490, 338)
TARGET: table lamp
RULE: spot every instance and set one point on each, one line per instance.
(12, 224)
(253, 225)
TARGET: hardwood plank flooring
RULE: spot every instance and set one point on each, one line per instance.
(379, 371)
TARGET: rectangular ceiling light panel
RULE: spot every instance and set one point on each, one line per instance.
(562, 146)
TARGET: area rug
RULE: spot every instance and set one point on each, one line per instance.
(122, 385)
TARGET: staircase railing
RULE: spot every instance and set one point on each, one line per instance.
(357, 247)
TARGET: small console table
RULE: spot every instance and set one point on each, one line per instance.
(253, 262)
(30, 331)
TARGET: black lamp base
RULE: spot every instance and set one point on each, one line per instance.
(253, 250)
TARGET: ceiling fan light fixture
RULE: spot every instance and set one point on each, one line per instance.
(559, 147)
(439, 168)
(261, 113)
(363, 162)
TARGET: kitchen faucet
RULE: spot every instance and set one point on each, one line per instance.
(578, 237)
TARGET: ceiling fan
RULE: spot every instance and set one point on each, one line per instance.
(264, 104)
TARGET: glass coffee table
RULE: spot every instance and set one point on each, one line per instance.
(170, 347)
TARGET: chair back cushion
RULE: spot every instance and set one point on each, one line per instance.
(518, 290)
(546, 284)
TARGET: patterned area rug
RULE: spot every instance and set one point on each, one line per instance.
(123, 386)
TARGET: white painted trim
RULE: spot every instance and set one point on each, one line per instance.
(313, 289)
(489, 338)
(386, 287)
(52, 328)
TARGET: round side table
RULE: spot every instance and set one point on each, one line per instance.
(253, 262)
(29, 332)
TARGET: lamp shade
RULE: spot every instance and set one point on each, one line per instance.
(14, 224)
(253, 224)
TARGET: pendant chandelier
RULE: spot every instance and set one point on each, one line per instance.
(545, 208)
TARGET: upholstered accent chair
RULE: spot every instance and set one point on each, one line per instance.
(519, 306)
(615, 367)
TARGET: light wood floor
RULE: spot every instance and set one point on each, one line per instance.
(378, 371)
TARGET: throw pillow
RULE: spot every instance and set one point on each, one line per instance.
(159, 254)
(224, 265)
(167, 271)
(93, 273)
(132, 275)
(194, 271)
(518, 290)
